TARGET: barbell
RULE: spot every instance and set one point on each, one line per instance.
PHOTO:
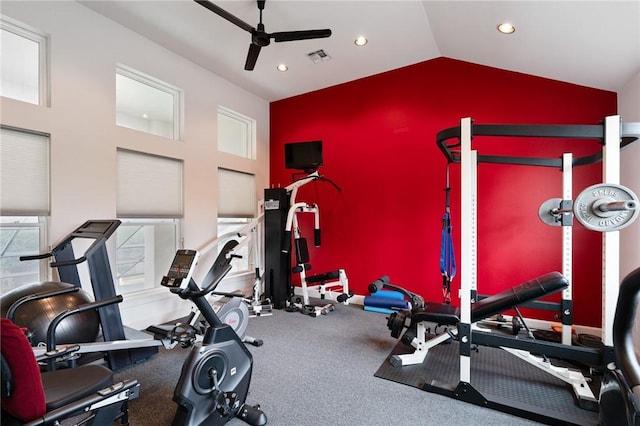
(602, 207)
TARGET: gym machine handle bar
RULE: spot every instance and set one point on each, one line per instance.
(55, 264)
(51, 331)
(11, 313)
(187, 293)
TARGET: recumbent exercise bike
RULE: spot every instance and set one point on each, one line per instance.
(215, 377)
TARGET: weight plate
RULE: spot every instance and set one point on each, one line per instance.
(545, 212)
(591, 210)
(396, 323)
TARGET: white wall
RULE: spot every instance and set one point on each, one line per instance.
(85, 48)
(629, 110)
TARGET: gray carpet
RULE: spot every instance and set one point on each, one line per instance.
(313, 371)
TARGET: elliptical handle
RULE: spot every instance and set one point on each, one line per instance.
(210, 287)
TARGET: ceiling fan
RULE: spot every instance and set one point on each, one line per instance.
(260, 38)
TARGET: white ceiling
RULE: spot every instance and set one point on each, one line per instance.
(590, 43)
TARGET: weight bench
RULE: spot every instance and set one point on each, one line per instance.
(333, 283)
(448, 315)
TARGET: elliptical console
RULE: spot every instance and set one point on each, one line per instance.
(215, 377)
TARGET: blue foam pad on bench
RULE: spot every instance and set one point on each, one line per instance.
(379, 310)
(389, 294)
(385, 302)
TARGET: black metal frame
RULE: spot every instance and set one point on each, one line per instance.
(630, 133)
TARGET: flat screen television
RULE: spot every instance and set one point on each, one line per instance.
(305, 156)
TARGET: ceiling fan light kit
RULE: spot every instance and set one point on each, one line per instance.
(259, 37)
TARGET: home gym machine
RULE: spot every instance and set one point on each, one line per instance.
(281, 210)
(607, 208)
(250, 235)
(122, 346)
(215, 377)
(234, 308)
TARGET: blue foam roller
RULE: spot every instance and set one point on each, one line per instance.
(379, 310)
(391, 294)
(385, 302)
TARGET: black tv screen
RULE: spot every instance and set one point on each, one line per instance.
(303, 155)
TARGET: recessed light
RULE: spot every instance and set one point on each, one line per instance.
(145, 115)
(506, 28)
(282, 68)
(361, 41)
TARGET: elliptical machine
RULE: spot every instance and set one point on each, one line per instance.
(215, 377)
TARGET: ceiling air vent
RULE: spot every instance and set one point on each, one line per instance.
(318, 56)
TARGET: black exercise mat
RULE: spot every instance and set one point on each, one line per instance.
(496, 374)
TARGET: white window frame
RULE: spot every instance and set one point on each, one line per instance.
(152, 270)
(157, 179)
(22, 30)
(39, 222)
(249, 143)
(28, 212)
(237, 215)
(228, 226)
(175, 92)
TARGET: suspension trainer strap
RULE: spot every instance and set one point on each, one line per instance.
(447, 254)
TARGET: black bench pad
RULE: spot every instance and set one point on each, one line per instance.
(444, 314)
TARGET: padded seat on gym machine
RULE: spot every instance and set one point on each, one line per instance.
(444, 314)
(439, 313)
(322, 278)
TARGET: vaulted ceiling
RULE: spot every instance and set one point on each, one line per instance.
(590, 43)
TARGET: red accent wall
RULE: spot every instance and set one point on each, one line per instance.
(379, 141)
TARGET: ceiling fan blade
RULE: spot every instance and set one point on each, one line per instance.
(299, 35)
(226, 15)
(252, 57)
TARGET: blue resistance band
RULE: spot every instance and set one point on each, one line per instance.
(447, 256)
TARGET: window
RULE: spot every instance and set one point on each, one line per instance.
(23, 63)
(149, 203)
(236, 133)
(20, 236)
(228, 229)
(24, 205)
(236, 208)
(146, 104)
(144, 251)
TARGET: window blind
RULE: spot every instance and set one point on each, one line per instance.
(24, 173)
(236, 194)
(149, 186)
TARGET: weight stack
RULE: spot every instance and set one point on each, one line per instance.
(278, 287)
